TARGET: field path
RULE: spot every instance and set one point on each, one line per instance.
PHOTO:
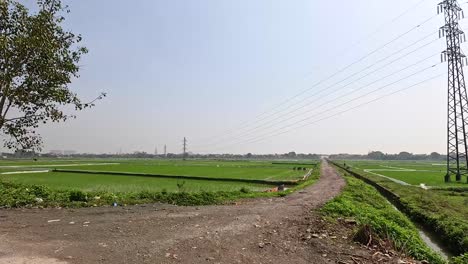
(254, 231)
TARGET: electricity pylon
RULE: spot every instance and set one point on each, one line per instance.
(185, 148)
(457, 148)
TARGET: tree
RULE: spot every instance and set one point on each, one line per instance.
(378, 155)
(38, 60)
(405, 155)
(435, 156)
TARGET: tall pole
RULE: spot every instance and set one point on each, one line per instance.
(185, 148)
(165, 150)
(457, 106)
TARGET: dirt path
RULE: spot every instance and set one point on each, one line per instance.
(257, 231)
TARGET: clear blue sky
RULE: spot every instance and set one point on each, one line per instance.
(175, 68)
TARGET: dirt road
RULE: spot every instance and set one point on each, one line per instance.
(257, 231)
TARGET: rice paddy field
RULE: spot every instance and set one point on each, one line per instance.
(41, 172)
(407, 172)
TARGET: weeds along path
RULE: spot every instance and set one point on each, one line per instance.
(254, 231)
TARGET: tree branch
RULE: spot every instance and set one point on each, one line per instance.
(2, 103)
(6, 111)
(22, 117)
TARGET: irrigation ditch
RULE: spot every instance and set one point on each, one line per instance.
(432, 238)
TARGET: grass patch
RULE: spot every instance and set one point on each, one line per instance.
(374, 214)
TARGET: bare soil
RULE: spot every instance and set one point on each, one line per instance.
(279, 230)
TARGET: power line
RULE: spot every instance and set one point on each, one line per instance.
(360, 105)
(249, 131)
(243, 125)
(359, 60)
(454, 57)
(342, 87)
(366, 94)
(356, 90)
(331, 109)
(379, 28)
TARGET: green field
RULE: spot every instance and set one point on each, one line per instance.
(409, 172)
(262, 170)
(117, 183)
(38, 183)
(240, 170)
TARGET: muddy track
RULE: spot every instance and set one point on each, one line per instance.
(254, 231)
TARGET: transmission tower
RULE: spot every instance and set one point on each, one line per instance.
(165, 150)
(185, 148)
(457, 148)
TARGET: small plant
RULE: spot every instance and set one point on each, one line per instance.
(78, 196)
(364, 235)
(40, 191)
(181, 186)
(245, 190)
(463, 259)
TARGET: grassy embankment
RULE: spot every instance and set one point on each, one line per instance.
(372, 211)
(444, 211)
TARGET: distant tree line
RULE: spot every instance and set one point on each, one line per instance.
(378, 155)
(373, 155)
(141, 154)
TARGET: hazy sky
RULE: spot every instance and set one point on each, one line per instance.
(205, 68)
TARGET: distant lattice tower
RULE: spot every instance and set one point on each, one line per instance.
(185, 148)
(457, 148)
